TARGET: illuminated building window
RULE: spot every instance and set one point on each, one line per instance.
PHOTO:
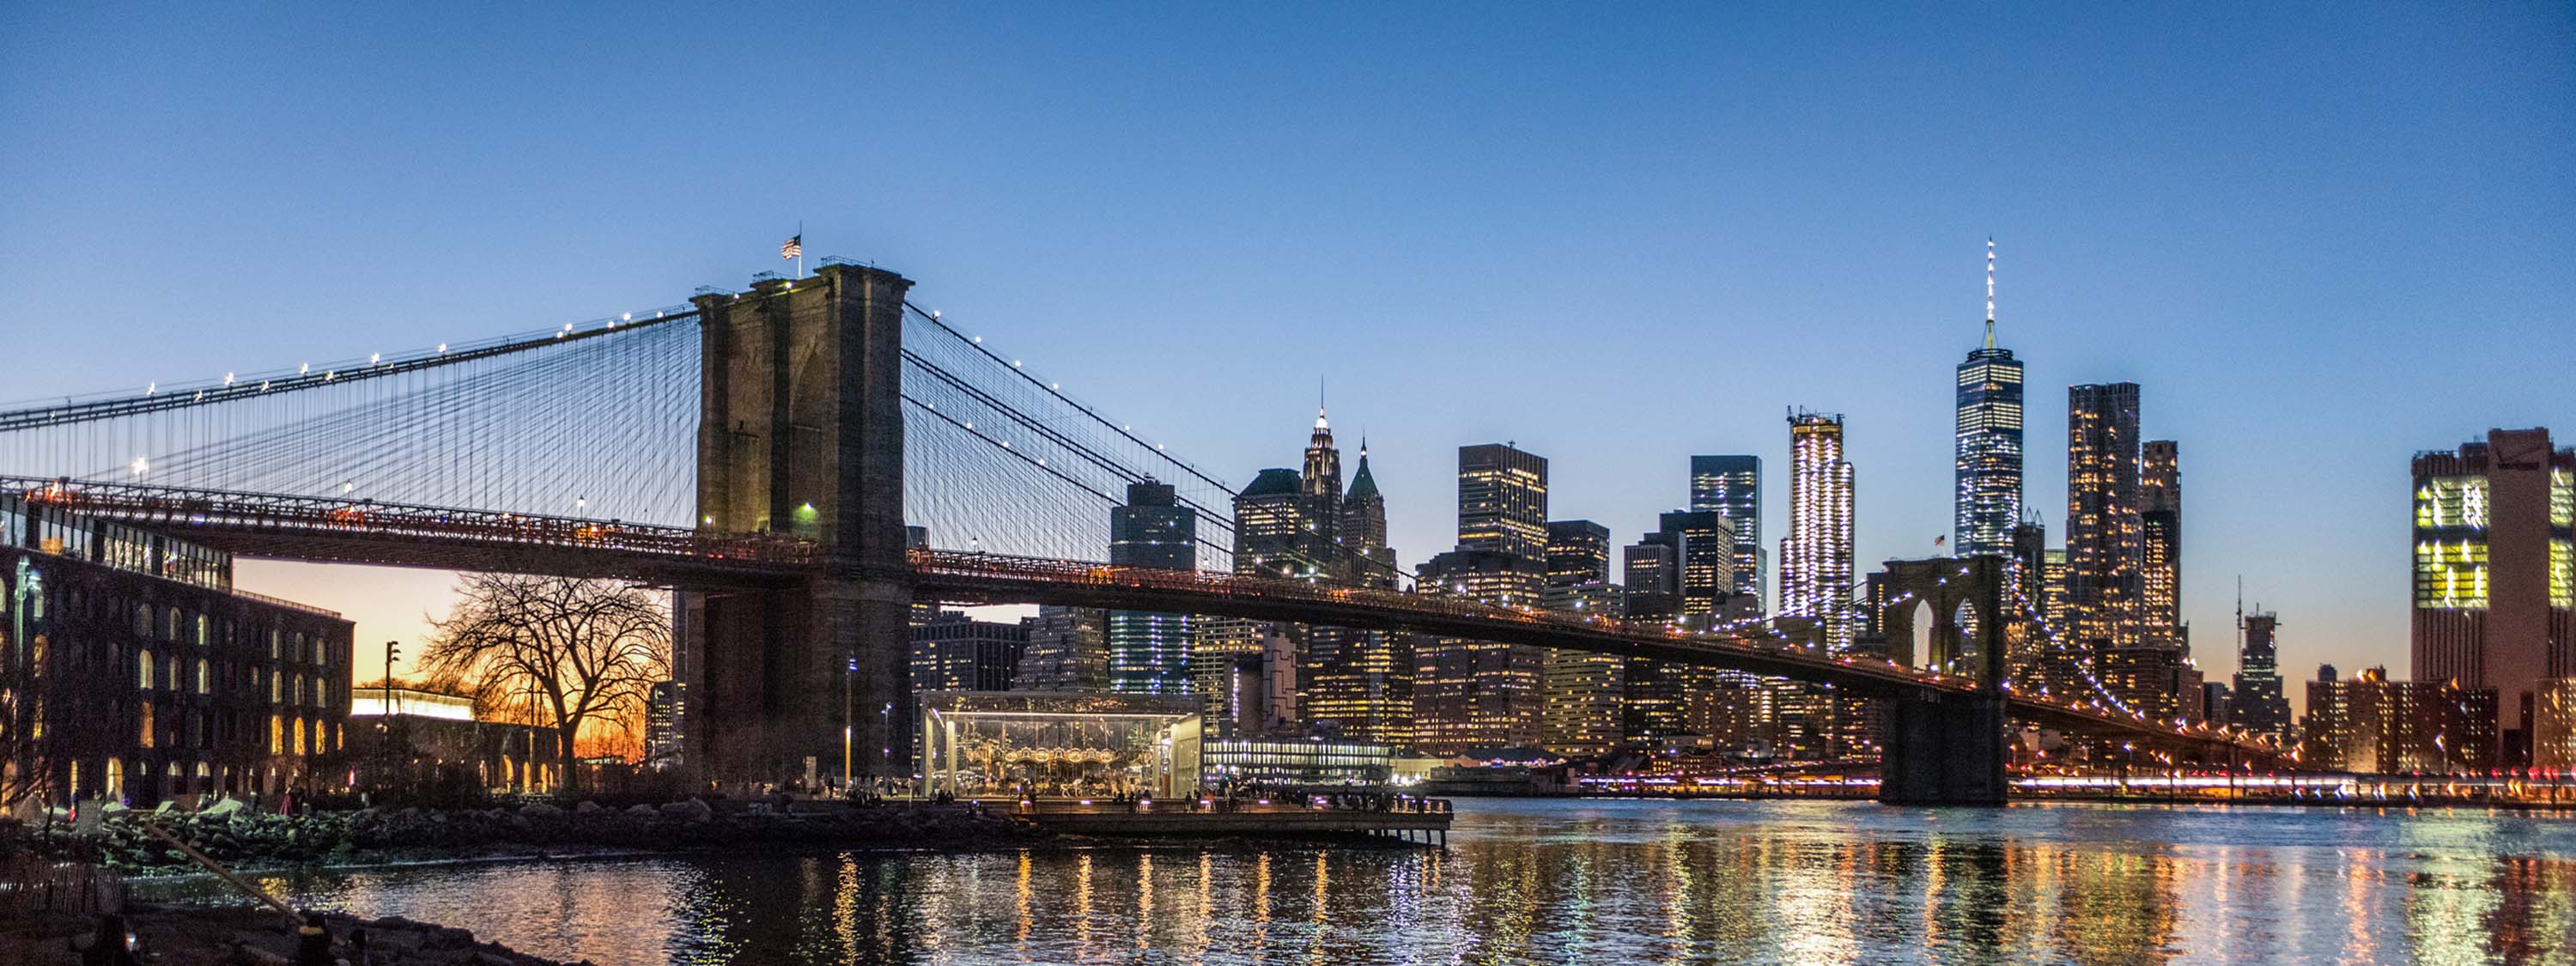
(2452, 575)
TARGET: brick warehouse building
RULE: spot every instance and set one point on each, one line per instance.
(133, 669)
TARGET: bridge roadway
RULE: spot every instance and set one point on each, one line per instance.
(343, 530)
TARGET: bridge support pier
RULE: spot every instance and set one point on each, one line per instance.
(801, 432)
(1943, 749)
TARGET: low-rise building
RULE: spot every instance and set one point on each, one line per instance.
(140, 673)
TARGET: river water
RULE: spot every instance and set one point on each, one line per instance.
(1555, 881)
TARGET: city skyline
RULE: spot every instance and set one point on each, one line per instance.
(2254, 297)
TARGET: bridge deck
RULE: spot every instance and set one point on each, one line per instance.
(369, 532)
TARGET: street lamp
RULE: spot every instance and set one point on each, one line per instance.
(849, 722)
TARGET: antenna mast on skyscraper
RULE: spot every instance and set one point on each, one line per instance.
(1990, 291)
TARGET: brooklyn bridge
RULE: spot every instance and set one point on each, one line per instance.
(801, 461)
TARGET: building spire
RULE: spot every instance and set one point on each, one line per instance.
(1990, 291)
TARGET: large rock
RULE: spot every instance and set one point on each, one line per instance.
(225, 809)
(643, 811)
(542, 810)
(691, 810)
(586, 807)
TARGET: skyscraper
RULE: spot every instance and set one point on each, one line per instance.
(1502, 500)
(1732, 486)
(1360, 682)
(1471, 694)
(1217, 644)
(1708, 561)
(1653, 566)
(1068, 651)
(2104, 536)
(1149, 651)
(955, 653)
(1584, 692)
(1321, 487)
(2258, 705)
(1578, 551)
(1270, 526)
(1656, 691)
(1988, 467)
(2160, 535)
(1816, 556)
(1481, 694)
(2495, 577)
(1362, 528)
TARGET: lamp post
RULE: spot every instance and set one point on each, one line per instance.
(384, 730)
(849, 722)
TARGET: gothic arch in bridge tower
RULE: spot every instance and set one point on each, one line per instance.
(1945, 614)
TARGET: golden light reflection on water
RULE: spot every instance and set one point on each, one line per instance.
(1025, 900)
(1582, 881)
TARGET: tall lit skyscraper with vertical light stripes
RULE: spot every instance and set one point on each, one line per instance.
(1816, 556)
(1988, 499)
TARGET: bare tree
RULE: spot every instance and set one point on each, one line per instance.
(587, 650)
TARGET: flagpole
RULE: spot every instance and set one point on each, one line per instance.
(800, 248)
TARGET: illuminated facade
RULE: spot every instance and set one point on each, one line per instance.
(2323, 731)
(2495, 574)
(1732, 486)
(1270, 526)
(1068, 651)
(2435, 727)
(952, 652)
(1585, 700)
(1578, 552)
(1584, 692)
(1216, 643)
(1656, 691)
(136, 671)
(1149, 651)
(1502, 500)
(1359, 683)
(2160, 544)
(1479, 694)
(1987, 470)
(1708, 561)
(1321, 487)
(2553, 724)
(1296, 763)
(1816, 556)
(2104, 536)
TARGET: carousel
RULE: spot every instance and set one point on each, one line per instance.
(1071, 745)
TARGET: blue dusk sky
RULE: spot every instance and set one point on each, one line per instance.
(2322, 237)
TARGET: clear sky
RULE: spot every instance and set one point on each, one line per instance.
(2322, 237)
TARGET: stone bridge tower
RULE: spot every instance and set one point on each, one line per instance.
(1944, 748)
(801, 432)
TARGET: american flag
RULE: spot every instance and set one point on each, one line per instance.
(794, 247)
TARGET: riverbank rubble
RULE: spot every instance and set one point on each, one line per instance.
(254, 840)
(250, 937)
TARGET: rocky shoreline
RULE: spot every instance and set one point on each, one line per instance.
(250, 841)
(248, 936)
